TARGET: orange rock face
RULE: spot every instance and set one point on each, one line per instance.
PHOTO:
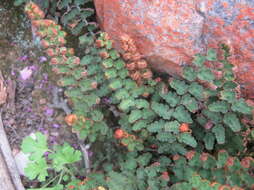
(168, 33)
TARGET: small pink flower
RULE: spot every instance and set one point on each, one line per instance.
(209, 125)
(42, 59)
(49, 112)
(26, 73)
(23, 58)
(55, 125)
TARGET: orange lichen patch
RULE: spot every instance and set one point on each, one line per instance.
(137, 66)
(170, 37)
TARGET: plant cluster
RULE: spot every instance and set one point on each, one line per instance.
(75, 15)
(158, 134)
(59, 159)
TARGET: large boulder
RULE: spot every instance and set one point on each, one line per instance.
(169, 32)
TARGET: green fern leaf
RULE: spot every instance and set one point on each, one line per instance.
(141, 103)
(219, 132)
(119, 64)
(162, 110)
(171, 98)
(172, 126)
(219, 106)
(241, 107)
(228, 95)
(156, 126)
(190, 103)
(186, 138)
(209, 141)
(196, 90)
(126, 104)
(135, 115)
(139, 125)
(211, 55)
(222, 159)
(182, 115)
(86, 60)
(215, 117)
(205, 74)
(180, 86)
(96, 115)
(231, 120)
(116, 84)
(122, 94)
(166, 137)
(199, 60)
(189, 74)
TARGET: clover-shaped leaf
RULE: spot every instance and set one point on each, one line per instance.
(36, 146)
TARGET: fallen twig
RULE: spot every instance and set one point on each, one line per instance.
(11, 91)
(58, 102)
(3, 93)
(5, 180)
(84, 149)
(7, 155)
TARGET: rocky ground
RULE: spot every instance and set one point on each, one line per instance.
(33, 98)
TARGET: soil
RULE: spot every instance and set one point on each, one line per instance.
(32, 92)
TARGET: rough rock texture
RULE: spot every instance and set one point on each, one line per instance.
(169, 32)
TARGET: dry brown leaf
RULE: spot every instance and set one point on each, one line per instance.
(3, 93)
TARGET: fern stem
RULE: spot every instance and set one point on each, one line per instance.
(53, 179)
